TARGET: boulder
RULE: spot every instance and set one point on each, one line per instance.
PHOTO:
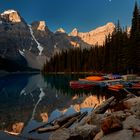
(61, 134)
(131, 122)
(128, 104)
(85, 132)
(120, 115)
(96, 119)
(99, 135)
(111, 124)
(120, 135)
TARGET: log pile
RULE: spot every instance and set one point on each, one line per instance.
(62, 122)
(103, 123)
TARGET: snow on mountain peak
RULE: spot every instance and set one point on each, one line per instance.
(61, 30)
(8, 12)
(41, 26)
(11, 15)
(74, 32)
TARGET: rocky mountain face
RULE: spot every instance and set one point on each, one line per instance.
(96, 36)
(31, 45)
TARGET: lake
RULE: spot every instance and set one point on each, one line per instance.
(29, 100)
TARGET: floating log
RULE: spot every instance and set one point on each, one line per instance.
(82, 116)
(48, 129)
(61, 123)
(94, 107)
(70, 122)
(73, 120)
(41, 126)
(65, 119)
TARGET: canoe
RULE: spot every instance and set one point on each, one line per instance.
(113, 89)
(116, 87)
(94, 78)
(136, 85)
(78, 85)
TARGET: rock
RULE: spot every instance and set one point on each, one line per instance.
(99, 135)
(128, 104)
(96, 119)
(74, 32)
(17, 127)
(61, 134)
(39, 26)
(131, 96)
(136, 110)
(131, 122)
(87, 132)
(120, 135)
(11, 15)
(61, 30)
(111, 124)
(120, 115)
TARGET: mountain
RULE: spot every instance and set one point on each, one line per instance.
(96, 36)
(29, 46)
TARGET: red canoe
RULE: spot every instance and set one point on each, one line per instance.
(78, 85)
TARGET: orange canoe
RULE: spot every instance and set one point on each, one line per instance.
(94, 78)
(118, 86)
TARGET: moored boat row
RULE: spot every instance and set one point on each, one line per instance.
(115, 83)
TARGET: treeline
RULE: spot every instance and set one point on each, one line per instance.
(119, 54)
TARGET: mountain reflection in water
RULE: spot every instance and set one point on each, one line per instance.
(27, 101)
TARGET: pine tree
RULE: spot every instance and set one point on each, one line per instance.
(134, 50)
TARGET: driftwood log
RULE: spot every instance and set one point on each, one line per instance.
(55, 123)
(48, 129)
(70, 122)
(64, 122)
(65, 119)
(82, 116)
(41, 126)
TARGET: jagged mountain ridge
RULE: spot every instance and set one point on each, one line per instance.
(95, 36)
(35, 43)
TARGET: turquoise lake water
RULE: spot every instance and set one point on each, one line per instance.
(27, 101)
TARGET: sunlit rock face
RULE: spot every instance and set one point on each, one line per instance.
(15, 128)
(75, 44)
(41, 26)
(11, 15)
(74, 32)
(88, 102)
(96, 36)
(36, 43)
(61, 30)
(44, 117)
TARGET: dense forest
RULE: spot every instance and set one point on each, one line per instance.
(119, 54)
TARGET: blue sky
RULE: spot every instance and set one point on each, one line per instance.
(84, 15)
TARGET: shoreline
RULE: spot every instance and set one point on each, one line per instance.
(5, 73)
(112, 120)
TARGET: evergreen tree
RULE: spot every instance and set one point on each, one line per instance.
(119, 53)
(134, 50)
